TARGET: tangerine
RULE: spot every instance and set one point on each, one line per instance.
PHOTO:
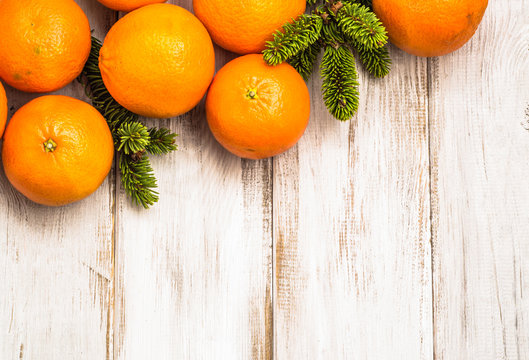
(157, 61)
(430, 27)
(43, 44)
(57, 150)
(244, 26)
(257, 111)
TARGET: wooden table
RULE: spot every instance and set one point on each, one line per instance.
(402, 234)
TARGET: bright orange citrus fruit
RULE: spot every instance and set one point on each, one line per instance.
(158, 61)
(128, 5)
(257, 111)
(3, 109)
(43, 44)
(244, 26)
(57, 150)
(430, 27)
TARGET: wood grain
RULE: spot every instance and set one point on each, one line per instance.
(352, 276)
(480, 198)
(194, 272)
(56, 266)
(402, 234)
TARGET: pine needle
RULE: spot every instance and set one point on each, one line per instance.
(293, 38)
(376, 61)
(340, 82)
(359, 23)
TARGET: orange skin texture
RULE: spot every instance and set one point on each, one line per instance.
(430, 27)
(244, 26)
(264, 126)
(43, 44)
(128, 5)
(158, 61)
(78, 165)
(3, 109)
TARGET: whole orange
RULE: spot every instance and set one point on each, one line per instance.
(128, 5)
(57, 150)
(158, 61)
(244, 26)
(3, 109)
(43, 44)
(430, 27)
(257, 111)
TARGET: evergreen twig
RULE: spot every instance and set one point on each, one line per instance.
(132, 139)
(344, 26)
(294, 38)
(305, 60)
(162, 141)
(340, 84)
(359, 23)
(376, 61)
(138, 180)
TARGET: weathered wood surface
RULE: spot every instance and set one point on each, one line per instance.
(480, 194)
(403, 234)
(351, 228)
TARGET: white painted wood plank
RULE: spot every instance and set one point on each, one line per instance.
(351, 227)
(56, 265)
(193, 274)
(480, 172)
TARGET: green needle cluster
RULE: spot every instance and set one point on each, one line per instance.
(341, 29)
(132, 139)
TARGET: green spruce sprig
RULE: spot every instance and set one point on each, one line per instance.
(295, 37)
(339, 28)
(132, 139)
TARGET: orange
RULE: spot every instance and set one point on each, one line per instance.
(244, 26)
(128, 5)
(3, 109)
(256, 111)
(430, 27)
(158, 61)
(43, 44)
(57, 150)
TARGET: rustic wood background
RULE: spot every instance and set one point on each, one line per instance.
(402, 234)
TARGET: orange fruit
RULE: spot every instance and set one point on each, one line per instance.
(257, 111)
(244, 26)
(43, 44)
(158, 61)
(430, 27)
(128, 5)
(3, 109)
(57, 150)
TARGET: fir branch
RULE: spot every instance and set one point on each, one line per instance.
(359, 23)
(343, 26)
(340, 85)
(293, 38)
(137, 178)
(376, 61)
(304, 61)
(162, 141)
(131, 138)
(134, 138)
